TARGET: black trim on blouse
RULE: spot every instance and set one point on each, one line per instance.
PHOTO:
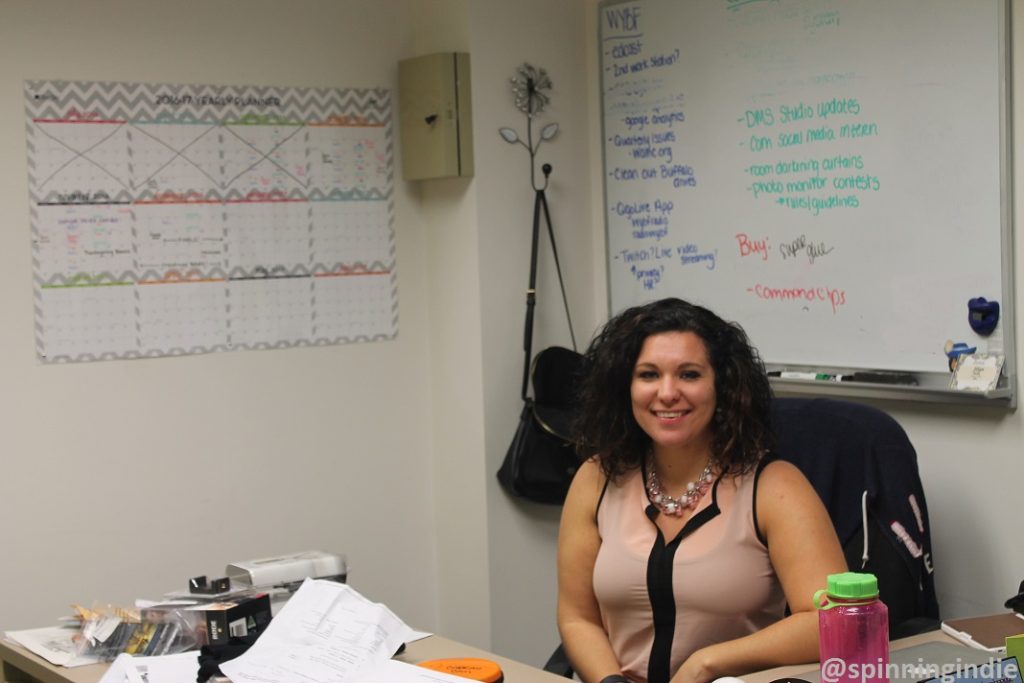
(659, 587)
(604, 490)
(753, 506)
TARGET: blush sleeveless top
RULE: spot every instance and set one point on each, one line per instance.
(662, 599)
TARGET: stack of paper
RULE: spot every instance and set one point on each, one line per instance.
(329, 633)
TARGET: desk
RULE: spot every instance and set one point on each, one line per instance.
(795, 670)
(21, 666)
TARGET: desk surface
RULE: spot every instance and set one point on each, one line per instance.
(795, 670)
(21, 666)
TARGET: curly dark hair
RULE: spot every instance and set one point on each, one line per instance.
(605, 424)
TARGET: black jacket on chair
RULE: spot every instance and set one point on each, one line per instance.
(846, 449)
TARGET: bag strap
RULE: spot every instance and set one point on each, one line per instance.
(540, 204)
(531, 295)
(558, 268)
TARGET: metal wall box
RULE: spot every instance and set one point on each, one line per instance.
(435, 117)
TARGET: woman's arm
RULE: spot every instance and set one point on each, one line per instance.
(579, 619)
(804, 550)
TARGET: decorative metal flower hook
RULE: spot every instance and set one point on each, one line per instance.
(529, 86)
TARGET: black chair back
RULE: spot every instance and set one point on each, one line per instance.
(862, 464)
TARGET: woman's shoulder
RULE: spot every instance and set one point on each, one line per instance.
(590, 475)
(767, 469)
(782, 490)
(585, 493)
(588, 486)
(778, 475)
(593, 474)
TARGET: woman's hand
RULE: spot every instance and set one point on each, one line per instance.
(698, 667)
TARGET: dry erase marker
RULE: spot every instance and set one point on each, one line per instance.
(793, 374)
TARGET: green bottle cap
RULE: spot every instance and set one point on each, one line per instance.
(852, 586)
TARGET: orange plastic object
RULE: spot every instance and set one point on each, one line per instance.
(468, 667)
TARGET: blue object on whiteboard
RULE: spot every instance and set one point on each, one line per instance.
(954, 351)
(959, 349)
(982, 315)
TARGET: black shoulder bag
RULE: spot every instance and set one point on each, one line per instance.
(541, 461)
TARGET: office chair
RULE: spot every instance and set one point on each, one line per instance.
(864, 469)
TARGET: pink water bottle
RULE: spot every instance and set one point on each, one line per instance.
(853, 625)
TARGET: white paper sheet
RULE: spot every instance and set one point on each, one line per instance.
(121, 670)
(326, 633)
(176, 668)
(52, 643)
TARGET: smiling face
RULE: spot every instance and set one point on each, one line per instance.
(673, 391)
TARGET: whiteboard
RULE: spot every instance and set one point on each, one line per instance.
(831, 174)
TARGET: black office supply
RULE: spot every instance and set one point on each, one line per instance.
(200, 586)
(1016, 603)
(882, 378)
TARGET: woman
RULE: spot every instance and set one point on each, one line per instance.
(679, 548)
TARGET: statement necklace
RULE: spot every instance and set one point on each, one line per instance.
(674, 506)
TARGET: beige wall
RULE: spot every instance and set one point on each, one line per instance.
(549, 35)
(122, 479)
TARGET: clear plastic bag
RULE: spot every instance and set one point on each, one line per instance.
(107, 631)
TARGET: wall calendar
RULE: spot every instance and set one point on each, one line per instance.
(179, 219)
